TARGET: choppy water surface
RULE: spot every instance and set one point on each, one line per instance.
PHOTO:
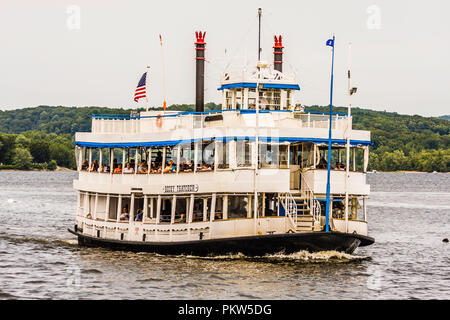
(409, 215)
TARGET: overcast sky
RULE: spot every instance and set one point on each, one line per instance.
(93, 52)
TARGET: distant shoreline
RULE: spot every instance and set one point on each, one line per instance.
(43, 170)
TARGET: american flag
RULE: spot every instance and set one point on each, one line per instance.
(141, 90)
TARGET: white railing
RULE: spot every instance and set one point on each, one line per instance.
(168, 122)
(308, 194)
(290, 208)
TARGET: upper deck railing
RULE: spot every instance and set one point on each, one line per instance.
(160, 121)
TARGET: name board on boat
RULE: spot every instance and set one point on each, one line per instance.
(181, 188)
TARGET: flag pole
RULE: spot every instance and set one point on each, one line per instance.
(146, 89)
(163, 74)
(327, 215)
(347, 159)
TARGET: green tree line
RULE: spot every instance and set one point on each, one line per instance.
(399, 142)
(36, 150)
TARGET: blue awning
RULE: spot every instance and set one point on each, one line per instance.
(264, 85)
(176, 142)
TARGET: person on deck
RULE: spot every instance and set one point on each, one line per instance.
(128, 168)
(124, 216)
(138, 215)
(118, 169)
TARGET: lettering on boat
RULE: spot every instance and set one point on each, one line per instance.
(181, 188)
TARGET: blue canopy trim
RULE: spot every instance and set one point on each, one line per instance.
(223, 139)
(264, 85)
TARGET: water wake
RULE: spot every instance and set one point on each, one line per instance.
(301, 256)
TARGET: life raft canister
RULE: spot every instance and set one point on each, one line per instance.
(159, 121)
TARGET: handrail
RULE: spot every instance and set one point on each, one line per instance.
(290, 207)
(311, 202)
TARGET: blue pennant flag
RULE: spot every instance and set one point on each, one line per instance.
(330, 42)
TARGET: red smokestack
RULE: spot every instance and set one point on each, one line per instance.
(278, 54)
(200, 71)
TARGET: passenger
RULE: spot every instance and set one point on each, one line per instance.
(124, 216)
(101, 168)
(94, 166)
(138, 215)
(115, 165)
(158, 159)
(339, 166)
(118, 169)
(218, 215)
(170, 167)
(85, 165)
(181, 219)
(142, 167)
(182, 166)
(188, 167)
(323, 163)
(128, 168)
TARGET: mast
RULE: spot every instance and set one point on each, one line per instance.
(257, 127)
(259, 33)
(327, 216)
(146, 89)
(163, 74)
(347, 159)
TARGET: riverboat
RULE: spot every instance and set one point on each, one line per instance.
(250, 178)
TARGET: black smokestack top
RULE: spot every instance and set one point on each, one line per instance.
(200, 71)
(278, 54)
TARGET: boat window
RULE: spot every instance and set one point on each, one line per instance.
(187, 157)
(338, 208)
(181, 210)
(222, 154)
(251, 98)
(197, 213)
(355, 209)
(142, 160)
(243, 153)
(100, 212)
(138, 208)
(104, 160)
(239, 98)
(269, 99)
(229, 99)
(151, 210)
(218, 212)
(307, 155)
(117, 160)
(170, 164)
(339, 158)
(237, 207)
(113, 203)
(289, 101)
(93, 159)
(166, 210)
(205, 155)
(283, 158)
(156, 160)
(295, 154)
(270, 205)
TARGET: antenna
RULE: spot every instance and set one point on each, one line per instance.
(259, 33)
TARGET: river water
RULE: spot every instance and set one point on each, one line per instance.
(408, 213)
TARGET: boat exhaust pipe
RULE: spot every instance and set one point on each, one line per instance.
(200, 71)
(278, 54)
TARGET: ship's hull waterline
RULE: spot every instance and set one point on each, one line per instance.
(260, 245)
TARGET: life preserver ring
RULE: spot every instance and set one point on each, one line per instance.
(159, 121)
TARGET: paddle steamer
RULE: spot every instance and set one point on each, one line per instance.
(249, 178)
